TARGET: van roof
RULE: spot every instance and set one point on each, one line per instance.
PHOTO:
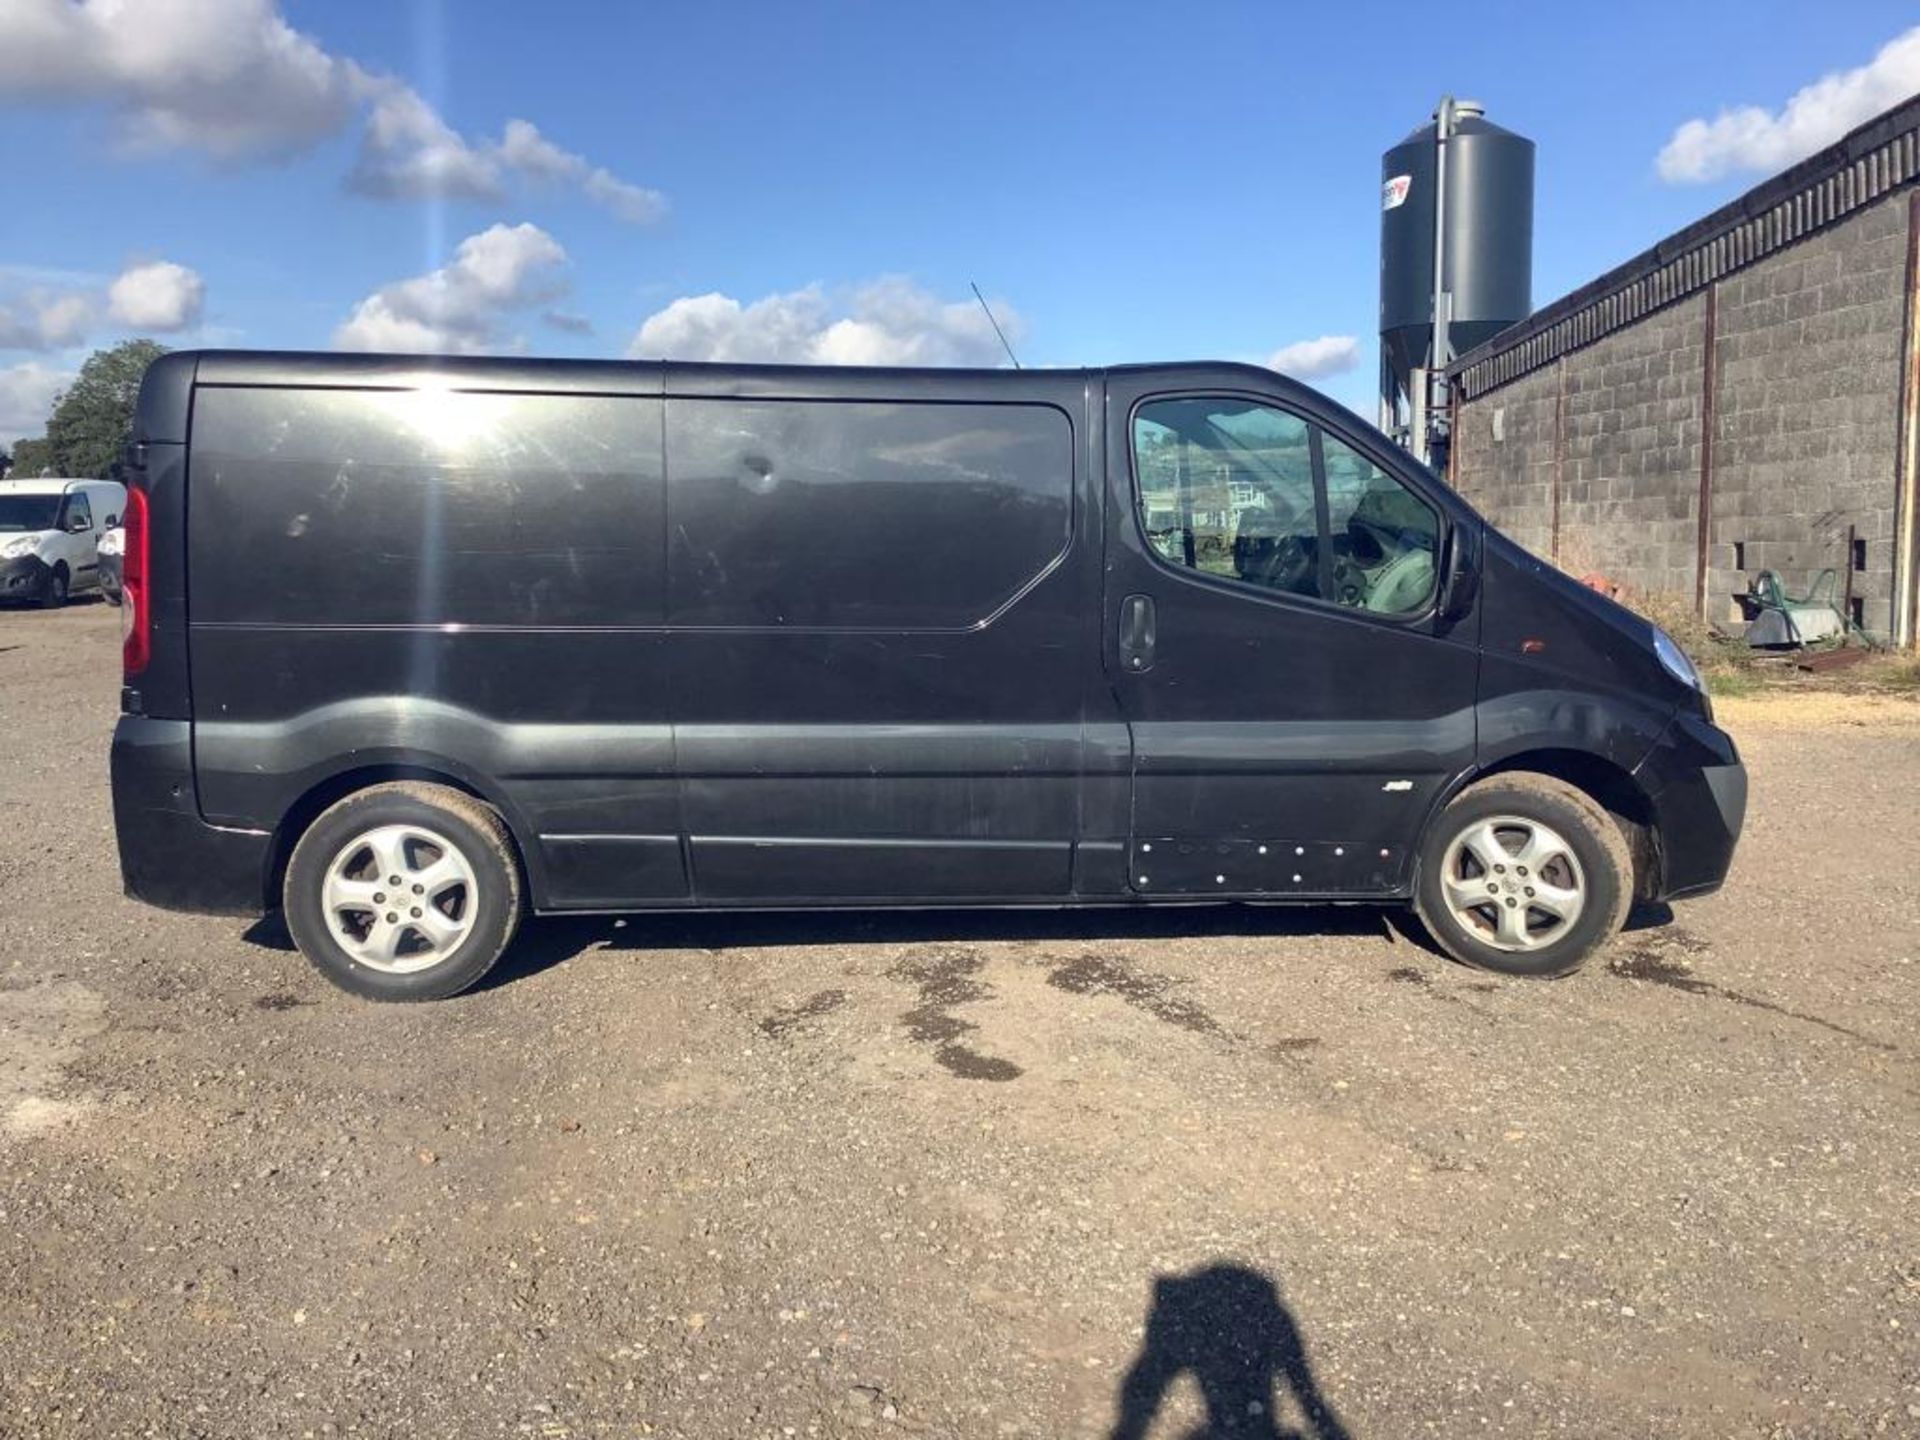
(165, 396)
(269, 367)
(42, 485)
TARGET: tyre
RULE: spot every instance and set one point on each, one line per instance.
(404, 891)
(56, 595)
(1525, 875)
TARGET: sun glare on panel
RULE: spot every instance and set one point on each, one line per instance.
(451, 421)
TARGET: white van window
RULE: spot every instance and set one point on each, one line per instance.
(28, 512)
(79, 512)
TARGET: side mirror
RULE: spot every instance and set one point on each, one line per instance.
(1461, 585)
(78, 526)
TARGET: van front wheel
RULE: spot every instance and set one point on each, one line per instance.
(404, 891)
(1525, 875)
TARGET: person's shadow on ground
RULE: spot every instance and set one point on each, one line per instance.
(1226, 1327)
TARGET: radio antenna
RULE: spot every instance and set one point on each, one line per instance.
(996, 325)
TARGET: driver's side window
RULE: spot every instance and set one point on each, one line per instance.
(1226, 487)
(1251, 493)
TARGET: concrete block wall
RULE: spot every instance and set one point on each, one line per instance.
(1630, 494)
(1808, 412)
(1807, 361)
(1504, 454)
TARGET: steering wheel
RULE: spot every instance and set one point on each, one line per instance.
(1289, 566)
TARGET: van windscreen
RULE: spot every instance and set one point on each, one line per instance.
(28, 512)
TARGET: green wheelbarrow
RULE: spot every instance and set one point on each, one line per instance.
(1776, 619)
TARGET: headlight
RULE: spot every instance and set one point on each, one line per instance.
(113, 542)
(24, 545)
(1675, 660)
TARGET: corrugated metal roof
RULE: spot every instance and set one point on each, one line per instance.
(1881, 156)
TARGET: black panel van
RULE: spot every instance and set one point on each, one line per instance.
(415, 646)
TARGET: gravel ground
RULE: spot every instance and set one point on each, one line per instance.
(1237, 1172)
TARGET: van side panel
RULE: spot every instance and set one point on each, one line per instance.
(877, 643)
(459, 581)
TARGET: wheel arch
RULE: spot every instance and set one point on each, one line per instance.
(1604, 781)
(324, 793)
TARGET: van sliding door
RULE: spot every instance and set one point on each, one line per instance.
(875, 637)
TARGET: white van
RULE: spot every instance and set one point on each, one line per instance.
(50, 533)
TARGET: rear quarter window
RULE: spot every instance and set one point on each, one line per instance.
(861, 515)
(363, 507)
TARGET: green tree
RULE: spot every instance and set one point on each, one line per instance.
(31, 459)
(93, 420)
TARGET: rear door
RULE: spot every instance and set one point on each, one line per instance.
(880, 633)
(1293, 699)
(464, 580)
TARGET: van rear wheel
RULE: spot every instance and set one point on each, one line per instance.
(404, 891)
(1525, 875)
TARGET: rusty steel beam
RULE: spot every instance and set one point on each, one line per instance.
(1559, 455)
(1709, 383)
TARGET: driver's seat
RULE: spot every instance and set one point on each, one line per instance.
(1402, 585)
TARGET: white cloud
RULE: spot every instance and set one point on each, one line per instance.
(634, 204)
(27, 393)
(42, 319)
(408, 151)
(525, 149)
(227, 77)
(890, 321)
(1748, 137)
(459, 307)
(158, 296)
(1316, 359)
(232, 80)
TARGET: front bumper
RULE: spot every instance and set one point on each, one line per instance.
(24, 579)
(169, 856)
(1698, 787)
(110, 576)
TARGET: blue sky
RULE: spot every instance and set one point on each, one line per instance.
(1127, 181)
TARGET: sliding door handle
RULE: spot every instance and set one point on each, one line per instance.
(1136, 634)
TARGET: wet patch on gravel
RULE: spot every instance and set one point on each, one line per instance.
(279, 1002)
(1664, 963)
(945, 977)
(786, 1020)
(1103, 975)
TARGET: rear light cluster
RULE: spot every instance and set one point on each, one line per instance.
(136, 620)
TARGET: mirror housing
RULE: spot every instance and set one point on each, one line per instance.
(1461, 585)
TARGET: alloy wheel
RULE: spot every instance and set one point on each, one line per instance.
(1513, 883)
